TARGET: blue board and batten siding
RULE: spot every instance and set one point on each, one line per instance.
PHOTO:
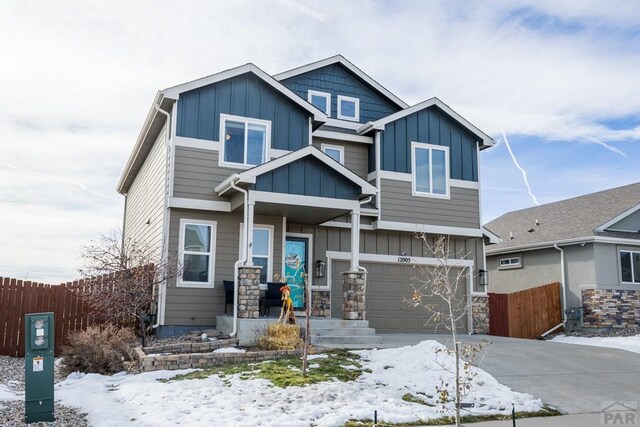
(308, 177)
(247, 96)
(337, 80)
(431, 126)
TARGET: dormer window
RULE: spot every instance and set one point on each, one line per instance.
(348, 108)
(245, 141)
(320, 100)
(336, 152)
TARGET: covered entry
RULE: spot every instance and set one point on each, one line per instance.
(388, 288)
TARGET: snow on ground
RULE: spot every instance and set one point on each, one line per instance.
(230, 350)
(7, 393)
(141, 400)
(624, 343)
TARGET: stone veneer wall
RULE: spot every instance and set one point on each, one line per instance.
(321, 305)
(204, 360)
(611, 308)
(354, 305)
(480, 315)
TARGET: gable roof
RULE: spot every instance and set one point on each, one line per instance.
(339, 59)
(572, 220)
(487, 141)
(249, 176)
(174, 91)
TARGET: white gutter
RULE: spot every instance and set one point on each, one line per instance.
(564, 293)
(243, 257)
(566, 242)
(162, 291)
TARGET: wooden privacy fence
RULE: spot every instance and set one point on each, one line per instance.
(525, 314)
(18, 298)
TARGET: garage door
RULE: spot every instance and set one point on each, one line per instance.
(388, 286)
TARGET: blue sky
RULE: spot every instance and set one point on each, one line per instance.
(560, 78)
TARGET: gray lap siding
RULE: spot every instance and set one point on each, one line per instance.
(195, 306)
(399, 205)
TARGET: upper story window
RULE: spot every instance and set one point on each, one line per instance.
(348, 108)
(630, 266)
(430, 166)
(336, 152)
(511, 262)
(320, 100)
(245, 141)
(197, 253)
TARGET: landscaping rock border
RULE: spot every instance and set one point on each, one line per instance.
(191, 347)
(205, 360)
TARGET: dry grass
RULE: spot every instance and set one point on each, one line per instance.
(99, 349)
(279, 336)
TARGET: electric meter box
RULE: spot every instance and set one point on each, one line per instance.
(39, 346)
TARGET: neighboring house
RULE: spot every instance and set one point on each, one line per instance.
(599, 237)
(316, 161)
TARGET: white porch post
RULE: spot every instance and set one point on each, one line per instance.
(249, 226)
(355, 239)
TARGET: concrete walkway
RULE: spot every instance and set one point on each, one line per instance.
(579, 420)
(575, 379)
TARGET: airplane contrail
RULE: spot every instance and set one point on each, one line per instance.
(524, 173)
(60, 178)
(607, 146)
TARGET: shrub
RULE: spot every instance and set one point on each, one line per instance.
(99, 350)
(279, 336)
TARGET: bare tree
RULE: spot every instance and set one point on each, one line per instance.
(121, 279)
(441, 291)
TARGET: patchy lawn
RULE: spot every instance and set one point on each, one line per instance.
(399, 383)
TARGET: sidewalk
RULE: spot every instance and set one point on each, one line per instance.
(576, 420)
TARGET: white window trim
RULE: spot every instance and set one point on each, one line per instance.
(247, 121)
(620, 264)
(334, 147)
(424, 146)
(324, 95)
(354, 100)
(271, 228)
(212, 253)
(511, 265)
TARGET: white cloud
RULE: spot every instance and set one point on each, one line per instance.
(78, 79)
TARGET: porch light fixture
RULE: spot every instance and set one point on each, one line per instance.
(483, 279)
(321, 269)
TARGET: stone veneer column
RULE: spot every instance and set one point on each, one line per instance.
(480, 314)
(354, 305)
(249, 292)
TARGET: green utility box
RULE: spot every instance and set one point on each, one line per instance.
(39, 348)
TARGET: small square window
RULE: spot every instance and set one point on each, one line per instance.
(630, 266)
(336, 152)
(320, 100)
(348, 108)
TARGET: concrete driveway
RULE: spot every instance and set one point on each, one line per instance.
(573, 378)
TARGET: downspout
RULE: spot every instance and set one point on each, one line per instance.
(162, 291)
(243, 257)
(361, 268)
(564, 293)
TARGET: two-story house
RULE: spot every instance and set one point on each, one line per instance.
(244, 174)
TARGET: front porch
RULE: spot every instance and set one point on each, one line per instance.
(324, 331)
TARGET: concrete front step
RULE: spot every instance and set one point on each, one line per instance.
(334, 323)
(333, 340)
(342, 331)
